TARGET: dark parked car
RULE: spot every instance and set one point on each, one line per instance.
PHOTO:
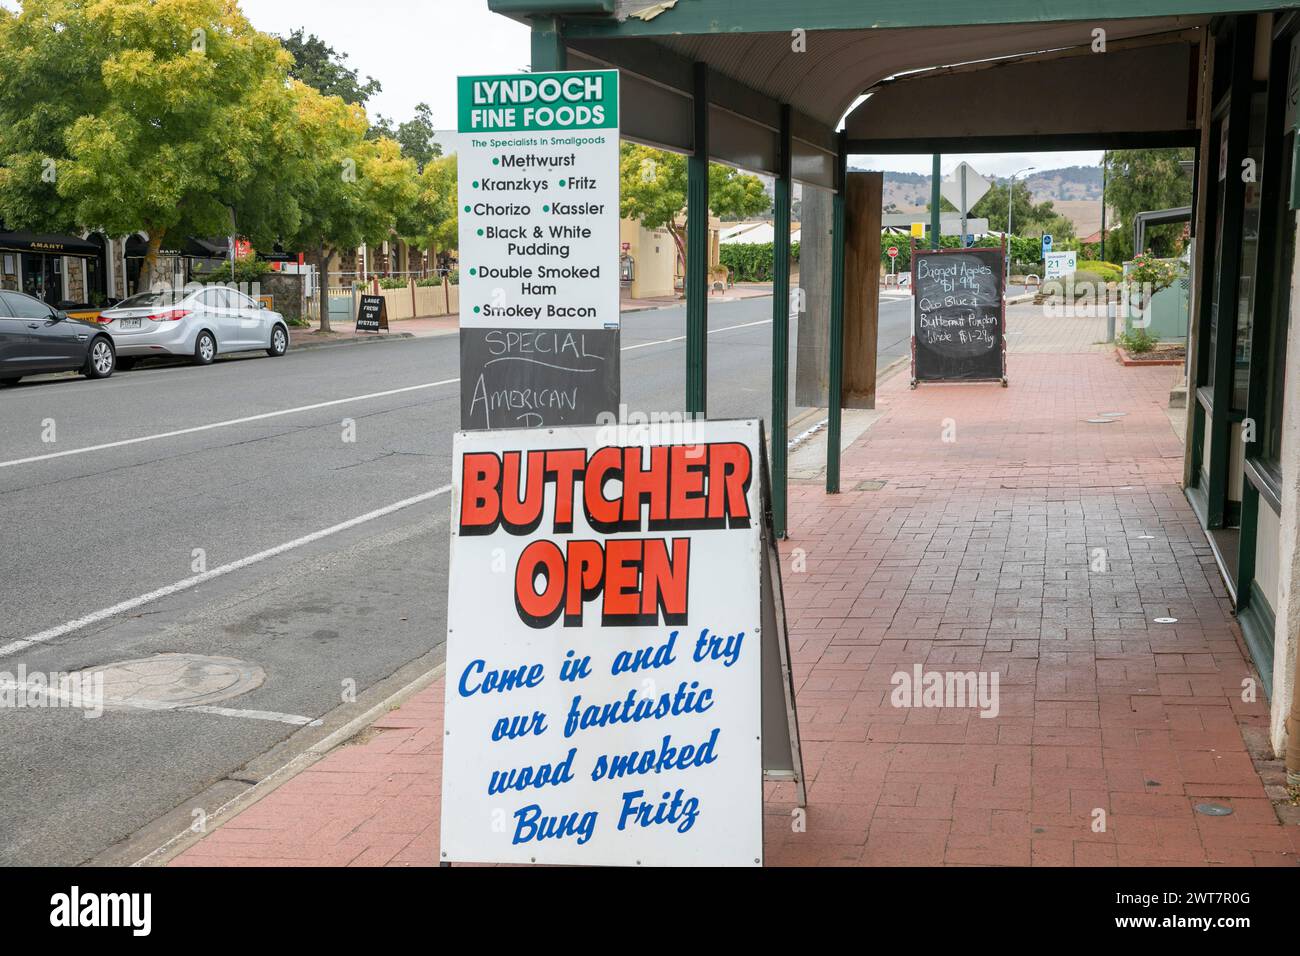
(35, 338)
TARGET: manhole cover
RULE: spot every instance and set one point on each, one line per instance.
(176, 680)
(1212, 809)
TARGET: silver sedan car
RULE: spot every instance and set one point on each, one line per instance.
(198, 323)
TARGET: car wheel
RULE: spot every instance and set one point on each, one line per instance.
(101, 360)
(125, 364)
(205, 348)
(279, 342)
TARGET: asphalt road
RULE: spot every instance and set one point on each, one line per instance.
(158, 476)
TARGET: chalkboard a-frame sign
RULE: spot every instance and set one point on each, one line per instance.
(372, 314)
(958, 315)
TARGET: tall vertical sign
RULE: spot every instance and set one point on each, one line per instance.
(539, 248)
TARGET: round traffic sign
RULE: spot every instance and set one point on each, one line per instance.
(893, 252)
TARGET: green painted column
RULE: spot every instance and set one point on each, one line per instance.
(935, 201)
(697, 253)
(836, 387)
(781, 329)
(548, 49)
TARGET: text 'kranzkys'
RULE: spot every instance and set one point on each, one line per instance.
(638, 580)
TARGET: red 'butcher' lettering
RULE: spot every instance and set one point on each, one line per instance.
(663, 488)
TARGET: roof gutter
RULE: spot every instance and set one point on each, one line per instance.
(550, 8)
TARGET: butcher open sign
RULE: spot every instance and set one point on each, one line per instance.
(603, 648)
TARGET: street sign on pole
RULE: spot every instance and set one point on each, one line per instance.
(963, 176)
(893, 252)
(964, 187)
(1047, 244)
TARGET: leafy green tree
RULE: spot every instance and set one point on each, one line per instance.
(351, 189)
(162, 115)
(1027, 217)
(653, 184)
(436, 222)
(319, 66)
(415, 136)
(1142, 180)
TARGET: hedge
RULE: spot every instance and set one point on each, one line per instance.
(751, 261)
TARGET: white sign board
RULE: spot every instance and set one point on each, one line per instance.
(539, 248)
(539, 194)
(976, 187)
(603, 647)
(1058, 265)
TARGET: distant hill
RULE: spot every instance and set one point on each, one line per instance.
(1072, 182)
(909, 192)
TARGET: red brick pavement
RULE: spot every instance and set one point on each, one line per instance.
(976, 555)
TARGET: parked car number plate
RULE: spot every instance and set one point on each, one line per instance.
(130, 323)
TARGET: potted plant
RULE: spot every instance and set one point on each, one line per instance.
(1147, 276)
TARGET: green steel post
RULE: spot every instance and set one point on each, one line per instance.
(935, 202)
(548, 49)
(837, 325)
(697, 253)
(781, 329)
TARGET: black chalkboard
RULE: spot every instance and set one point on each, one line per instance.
(958, 316)
(531, 378)
(372, 313)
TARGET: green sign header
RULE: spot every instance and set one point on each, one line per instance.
(531, 102)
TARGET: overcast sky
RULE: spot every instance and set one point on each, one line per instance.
(417, 48)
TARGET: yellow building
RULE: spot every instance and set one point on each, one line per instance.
(650, 266)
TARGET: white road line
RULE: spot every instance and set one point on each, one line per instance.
(272, 715)
(305, 408)
(682, 338)
(224, 424)
(197, 579)
(80, 700)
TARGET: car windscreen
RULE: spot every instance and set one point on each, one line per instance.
(151, 300)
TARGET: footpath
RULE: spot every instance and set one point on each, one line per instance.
(965, 540)
(311, 336)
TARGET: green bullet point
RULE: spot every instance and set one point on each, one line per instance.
(546, 209)
(467, 208)
(480, 232)
(496, 161)
(476, 184)
(473, 272)
(476, 310)
(561, 182)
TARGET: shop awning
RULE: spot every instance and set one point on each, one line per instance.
(49, 243)
(193, 248)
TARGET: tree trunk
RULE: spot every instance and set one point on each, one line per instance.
(680, 240)
(150, 264)
(322, 300)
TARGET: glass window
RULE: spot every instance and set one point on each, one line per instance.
(215, 298)
(25, 307)
(240, 301)
(151, 300)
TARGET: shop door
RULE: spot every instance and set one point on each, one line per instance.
(41, 278)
